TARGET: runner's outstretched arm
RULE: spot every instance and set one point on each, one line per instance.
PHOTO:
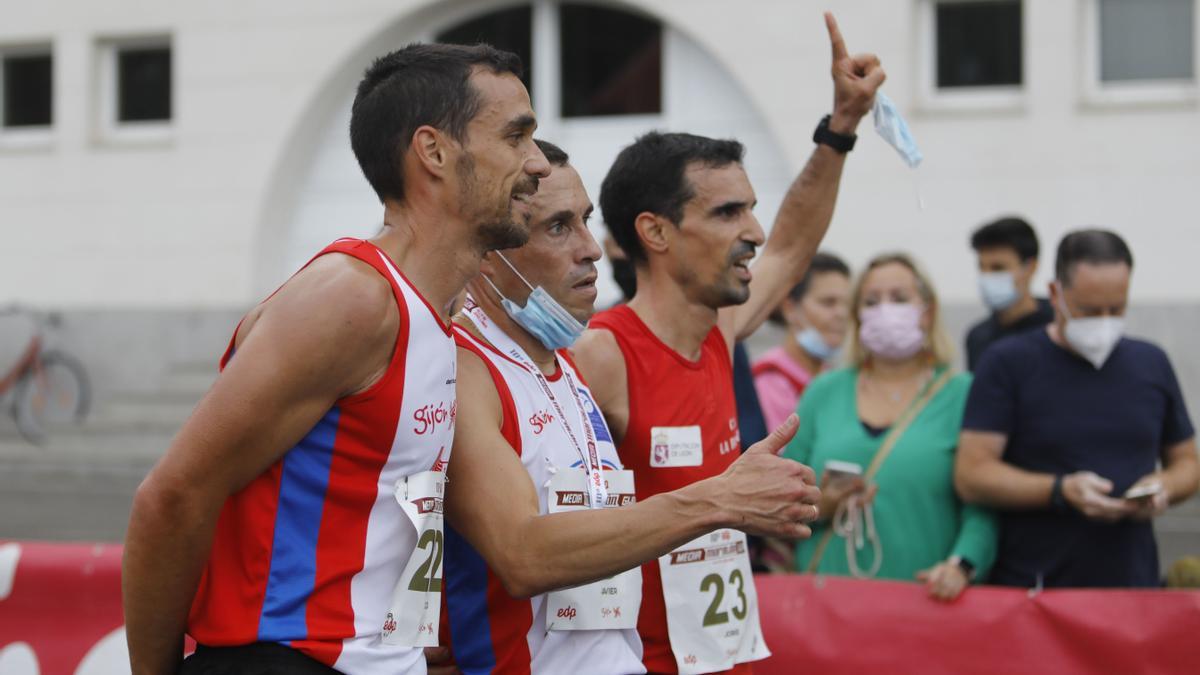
(807, 207)
(491, 501)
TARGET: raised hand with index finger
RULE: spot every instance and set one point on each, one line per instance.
(855, 80)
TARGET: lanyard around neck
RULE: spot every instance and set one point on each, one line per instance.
(591, 456)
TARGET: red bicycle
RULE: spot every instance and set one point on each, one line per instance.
(49, 387)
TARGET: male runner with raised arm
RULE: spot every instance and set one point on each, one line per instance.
(530, 442)
(288, 526)
(680, 207)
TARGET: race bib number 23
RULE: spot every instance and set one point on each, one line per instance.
(712, 607)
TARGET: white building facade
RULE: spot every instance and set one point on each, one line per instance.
(167, 162)
(250, 170)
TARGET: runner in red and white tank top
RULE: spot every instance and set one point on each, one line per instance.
(305, 554)
(294, 524)
(681, 208)
(490, 630)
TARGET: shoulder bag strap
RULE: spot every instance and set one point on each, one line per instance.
(885, 449)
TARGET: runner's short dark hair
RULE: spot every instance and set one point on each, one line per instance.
(649, 176)
(554, 154)
(418, 85)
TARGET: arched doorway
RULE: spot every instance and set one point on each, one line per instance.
(599, 74)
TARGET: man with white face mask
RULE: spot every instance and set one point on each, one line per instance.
(1007, 250)
(1065, 428)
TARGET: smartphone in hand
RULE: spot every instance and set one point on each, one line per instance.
(1143, 492)
(839, 470)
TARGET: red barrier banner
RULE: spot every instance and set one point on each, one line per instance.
(60, 614)
(838, 625)
(60, 609)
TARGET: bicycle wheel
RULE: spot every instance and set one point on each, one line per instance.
(55, 394)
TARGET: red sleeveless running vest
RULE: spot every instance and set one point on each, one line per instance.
(667, 390)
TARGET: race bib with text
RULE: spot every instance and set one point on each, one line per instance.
(611, 603)
(712, 607)
(415, 611)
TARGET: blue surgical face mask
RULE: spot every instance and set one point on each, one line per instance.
(810, 340)
(998, 289)
(891, 125)
(541, 316)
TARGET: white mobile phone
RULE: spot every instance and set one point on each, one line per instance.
(1143, 491)
(839, 469)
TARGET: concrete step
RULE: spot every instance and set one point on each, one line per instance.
(194, 381)
(56, 500)
(208, 364)
(131, 415)
(85, 449)
(151, 398)
(107, 423)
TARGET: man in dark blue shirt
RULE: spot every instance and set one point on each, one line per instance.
(1007, 250)
(1064, 427)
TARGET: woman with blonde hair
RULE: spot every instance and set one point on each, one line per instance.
(882, 433)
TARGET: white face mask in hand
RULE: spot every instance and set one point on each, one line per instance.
(1093, 337)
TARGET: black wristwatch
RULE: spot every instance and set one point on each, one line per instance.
(843, 143)
(1058, 501)
(967, 567)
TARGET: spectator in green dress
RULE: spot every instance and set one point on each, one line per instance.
(895, 412)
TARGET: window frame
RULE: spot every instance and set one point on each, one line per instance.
(109, 130)
(1160, 92)
(629, 11)
(545, 76)
(994, 98)
(30, 137)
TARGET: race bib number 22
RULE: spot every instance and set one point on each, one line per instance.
(416, 606)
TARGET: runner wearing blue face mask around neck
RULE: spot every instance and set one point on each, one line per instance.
(815, 315)
(1064, 428)
(542, 316)
(1007, 251)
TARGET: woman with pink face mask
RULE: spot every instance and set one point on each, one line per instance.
(882, 433)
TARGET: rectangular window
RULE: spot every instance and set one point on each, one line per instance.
(611, 62)
(135, 90)
(507, 29)
(978, 43)
(27, 92)
(143, 84)
(1147, 40)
